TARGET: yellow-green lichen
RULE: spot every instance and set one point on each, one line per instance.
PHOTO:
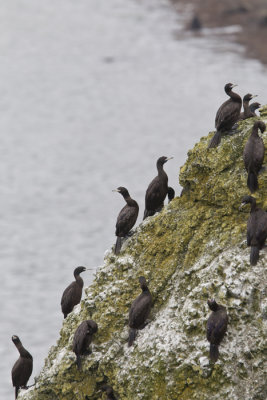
(195, 248)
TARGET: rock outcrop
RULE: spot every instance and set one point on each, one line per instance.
(193, 250)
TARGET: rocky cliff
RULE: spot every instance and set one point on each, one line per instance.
(192, 250)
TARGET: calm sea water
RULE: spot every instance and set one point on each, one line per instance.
(92, 93)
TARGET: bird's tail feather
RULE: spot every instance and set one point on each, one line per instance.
(214, 352)
(16, 391)
(215, 140)
(148, 213)
(252, 181)
(117, 245)
(78, 361)
(254, 255)
(132, 336)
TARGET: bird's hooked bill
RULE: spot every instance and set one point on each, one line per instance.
(115, 190)
(241, 206)
(170, 158)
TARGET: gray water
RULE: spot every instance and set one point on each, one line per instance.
(91, 94)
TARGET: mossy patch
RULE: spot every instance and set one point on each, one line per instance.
(192, 250)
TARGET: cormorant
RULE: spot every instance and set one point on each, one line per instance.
(82, 339)
(227, 115)
(171, 193)
(22, 368)
(195, 24)
(216, 327)
(73, 293)
(253, 107)
(157, 190)
(253, 155)
(139, 310)
(247, 110)
(256, 228)
(109, 391)
(126, 218)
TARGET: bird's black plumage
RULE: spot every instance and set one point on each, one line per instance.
(247, 113)
(109, 392)
(73, 293)
(22, 368)
(216, 327)
(139, 310)
(256, 228)
(157, 190)
(82, 338)
(253, 155)
(126, 218)
(253, 107)
(171, 193)
(227, 115)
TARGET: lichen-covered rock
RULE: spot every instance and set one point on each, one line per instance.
(192, 250)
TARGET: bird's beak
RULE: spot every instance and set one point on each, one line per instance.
(115, 190)
(255, 95)
(241, 206)
(234, 86)
(89, 269)
(169, 158)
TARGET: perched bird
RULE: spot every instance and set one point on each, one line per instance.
(139, 310)
(126, 218)
(227, 115)
(73, 293)
(253, 107)
(83, 338)
(253, 155)
(247, 110)
(22, 368)
(109, 392)
(157, 190)
(171, 193)
(256, 228)
(195, 24)
(216, 327)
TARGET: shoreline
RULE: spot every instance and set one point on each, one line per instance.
(251, 17)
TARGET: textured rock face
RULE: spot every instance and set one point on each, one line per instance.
(193, 250)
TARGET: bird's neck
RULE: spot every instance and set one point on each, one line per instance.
(130, 201)
(161, 172)
(22, 351)
(253, 206)
(234, 96)
(79, 280)
(254, 132)
(247, 110)
(145, 289)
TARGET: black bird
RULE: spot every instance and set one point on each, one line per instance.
(83, 338)
(247, 110)
(253, 155)
(73, 293)
(216, 327)
(126, 218)
(227, 115)
(253, 107)
(256, 228)
(157, 190)
(109, 391)
(139, 310)
(22, 368)
(171, 193)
